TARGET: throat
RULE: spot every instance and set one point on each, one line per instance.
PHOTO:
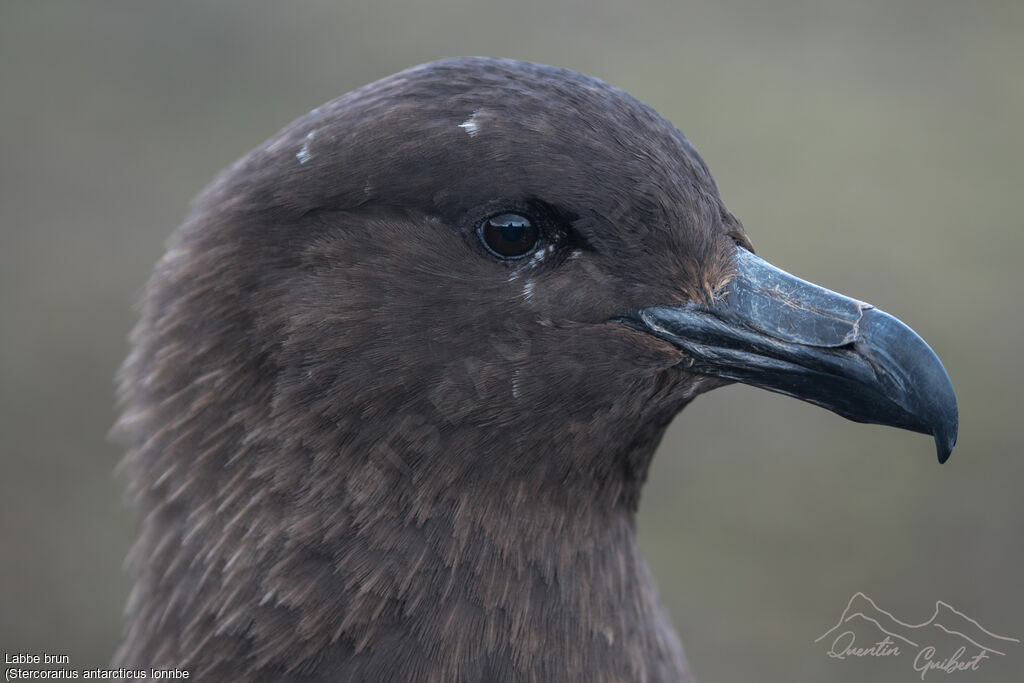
(493, 587)
(469, 585)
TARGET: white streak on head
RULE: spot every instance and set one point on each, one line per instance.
(541, 254)
(470, 125)
(576, 253)
(303, 155)
(528, 290)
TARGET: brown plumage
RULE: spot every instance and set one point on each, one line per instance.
(367, 449)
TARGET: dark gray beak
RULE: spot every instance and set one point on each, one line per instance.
(772, 330)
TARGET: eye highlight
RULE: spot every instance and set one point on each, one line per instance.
(509, 235)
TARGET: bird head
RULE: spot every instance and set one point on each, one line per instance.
(481, 256)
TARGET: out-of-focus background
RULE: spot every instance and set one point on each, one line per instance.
(873, 147)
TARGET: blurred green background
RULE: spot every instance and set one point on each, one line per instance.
(873, 147)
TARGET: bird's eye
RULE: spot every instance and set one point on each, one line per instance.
(509, 235)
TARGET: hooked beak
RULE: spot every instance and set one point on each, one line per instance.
(772, 330)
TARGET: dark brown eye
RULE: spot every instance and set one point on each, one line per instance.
(509, 235)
